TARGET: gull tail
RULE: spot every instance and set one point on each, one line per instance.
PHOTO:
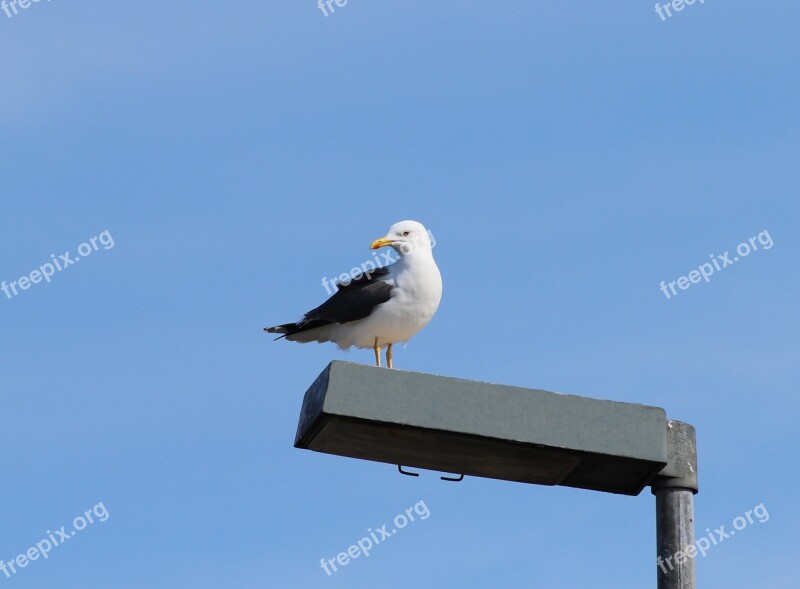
(284, 329)
(304, 331)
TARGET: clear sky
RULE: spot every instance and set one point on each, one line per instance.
(568, 157)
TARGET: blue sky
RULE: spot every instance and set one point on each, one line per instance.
(567, 158)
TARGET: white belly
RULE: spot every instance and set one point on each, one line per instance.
(410, 309)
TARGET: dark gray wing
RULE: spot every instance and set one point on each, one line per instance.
(353, 301)
(365, 278)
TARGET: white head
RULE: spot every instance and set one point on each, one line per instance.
(405, 238)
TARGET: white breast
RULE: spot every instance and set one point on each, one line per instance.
(415, 298)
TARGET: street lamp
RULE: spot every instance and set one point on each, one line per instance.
(513, 434)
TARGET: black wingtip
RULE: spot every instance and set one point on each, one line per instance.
(276, 329)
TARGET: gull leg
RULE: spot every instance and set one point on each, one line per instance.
(389, 355)
(377, 349)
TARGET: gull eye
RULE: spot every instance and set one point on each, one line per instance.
(405, 233)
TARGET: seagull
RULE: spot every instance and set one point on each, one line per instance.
(380, 307)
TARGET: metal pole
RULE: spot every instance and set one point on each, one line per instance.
(674, 489)
(674, 536)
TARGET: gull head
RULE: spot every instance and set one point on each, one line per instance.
(405, 237)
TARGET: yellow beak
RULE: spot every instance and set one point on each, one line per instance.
(382, 242)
